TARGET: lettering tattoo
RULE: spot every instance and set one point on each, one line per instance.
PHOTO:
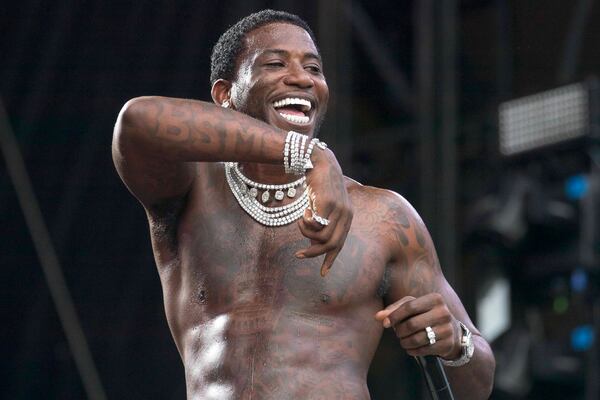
(214, 133)
(243, 143)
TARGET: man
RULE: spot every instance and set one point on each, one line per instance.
(279, 274)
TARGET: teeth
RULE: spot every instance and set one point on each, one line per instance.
(293, 100)
(295, 118)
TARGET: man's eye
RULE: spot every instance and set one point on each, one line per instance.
(313, 68)
(275, 64)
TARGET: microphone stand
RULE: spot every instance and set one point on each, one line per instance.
(435, 377)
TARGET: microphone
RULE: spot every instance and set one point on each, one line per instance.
(435, 376)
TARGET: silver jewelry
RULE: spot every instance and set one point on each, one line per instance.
(295, 160)
(265, 196)
(322, 145)
(467, 346)
(299, 160)
(299, 166)
(295, 153)
(320, 220)
(269, 216)
(279, 189)
(286, 152)
(307, 162)
(430, 335)
(225, 104)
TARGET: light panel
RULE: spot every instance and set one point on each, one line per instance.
(544, 119)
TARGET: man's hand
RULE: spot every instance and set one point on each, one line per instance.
(409, 317)
(329, 199)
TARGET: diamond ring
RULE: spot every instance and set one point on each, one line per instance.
(320, 220)
(430, 335)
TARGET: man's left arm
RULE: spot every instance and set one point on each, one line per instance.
(420, 297)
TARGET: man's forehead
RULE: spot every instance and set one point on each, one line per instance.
(279, 37)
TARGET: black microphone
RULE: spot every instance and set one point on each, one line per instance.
(435, 376)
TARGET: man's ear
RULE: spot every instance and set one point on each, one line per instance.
(221, 91)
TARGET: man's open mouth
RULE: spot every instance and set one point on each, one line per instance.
(294, 109)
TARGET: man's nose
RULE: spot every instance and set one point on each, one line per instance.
(298, 76)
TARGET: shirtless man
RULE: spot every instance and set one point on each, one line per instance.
(293, 311)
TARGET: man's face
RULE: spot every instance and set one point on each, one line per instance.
(280, 79)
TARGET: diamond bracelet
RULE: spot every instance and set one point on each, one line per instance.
(295, 160)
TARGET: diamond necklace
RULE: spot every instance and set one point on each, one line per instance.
(254, 186)
(269, 216)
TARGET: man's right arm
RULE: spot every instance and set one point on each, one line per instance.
(157, 140)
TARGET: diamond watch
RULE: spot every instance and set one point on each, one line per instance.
(467, 346)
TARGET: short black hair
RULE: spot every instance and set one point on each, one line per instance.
(229, 46)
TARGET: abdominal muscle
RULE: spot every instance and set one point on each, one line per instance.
(295, 356)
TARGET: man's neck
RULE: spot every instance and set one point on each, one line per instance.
(266, 173)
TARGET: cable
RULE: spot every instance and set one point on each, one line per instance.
(49, 261)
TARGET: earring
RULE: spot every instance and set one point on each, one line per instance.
(225, 104)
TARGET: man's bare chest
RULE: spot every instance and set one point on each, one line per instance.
(244, 262)
(229, 264)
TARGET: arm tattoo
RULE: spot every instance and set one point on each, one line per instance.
(243, 145)
(416, 266)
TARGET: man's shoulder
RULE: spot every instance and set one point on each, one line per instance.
(383, 204)
(388, 218)
(364, 195)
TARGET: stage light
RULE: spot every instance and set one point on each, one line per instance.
(579, 280)
(544, 119)
(582, 338)
(560, 304)
(576, 186)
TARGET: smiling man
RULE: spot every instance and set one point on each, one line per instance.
(279, 274)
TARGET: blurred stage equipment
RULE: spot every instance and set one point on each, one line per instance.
(544, 223)
(548, 118)
(551, 144)
(561, 125)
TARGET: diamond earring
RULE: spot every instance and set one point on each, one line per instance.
(225, 104)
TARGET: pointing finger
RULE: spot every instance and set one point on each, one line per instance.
(383, 314)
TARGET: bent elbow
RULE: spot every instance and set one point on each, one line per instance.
(491, 377)
(126, 127)
(132, 113)
(130, 120)
(488, 372)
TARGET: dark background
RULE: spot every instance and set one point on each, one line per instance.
(415, 92)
